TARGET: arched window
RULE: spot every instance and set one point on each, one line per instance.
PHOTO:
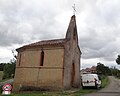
(74, 33)
(19, 59)
(42, 57)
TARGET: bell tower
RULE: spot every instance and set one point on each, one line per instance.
(72, 29)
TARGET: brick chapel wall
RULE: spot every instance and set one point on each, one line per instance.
(76, 60)
(67, 66)
(52, 76)
(72, 55)
(77, 67)
(30, 73)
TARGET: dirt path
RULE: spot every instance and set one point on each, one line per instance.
(113, 89)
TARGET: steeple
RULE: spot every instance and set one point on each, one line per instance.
(72, 29)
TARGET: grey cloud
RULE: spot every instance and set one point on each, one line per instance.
(101, 33)
(25, 21)
(21, 20)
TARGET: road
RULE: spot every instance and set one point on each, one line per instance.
(113, 89)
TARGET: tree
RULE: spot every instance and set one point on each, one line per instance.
(2, 66)
(115, 72)
(9, 69)
(118, 60)
(102, 69)
(107, 70)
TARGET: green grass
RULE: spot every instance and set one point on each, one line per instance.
(105, 81)
(1, 75)
(74, 92)
(58, 93)
(5, 80)
(1, 72)
(118, 77)
(84, 91)
(0, 89)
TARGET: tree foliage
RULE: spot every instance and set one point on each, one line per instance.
(118, 60)
(9, 69)
(115, 72)
(102, 69)
(2, 66)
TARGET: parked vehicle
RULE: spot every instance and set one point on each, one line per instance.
(90, 80)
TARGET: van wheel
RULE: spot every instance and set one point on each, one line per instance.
(83, 87)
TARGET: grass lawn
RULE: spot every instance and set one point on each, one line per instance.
(105, 81)
(74, 92)
(5, 80)
(1, 75)
(57, 93)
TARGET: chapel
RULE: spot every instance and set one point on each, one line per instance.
(49, 64)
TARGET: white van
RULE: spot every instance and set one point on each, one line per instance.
(90, 80)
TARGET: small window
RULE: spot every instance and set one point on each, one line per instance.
(74, 33)
(42, 57)
(19, 60)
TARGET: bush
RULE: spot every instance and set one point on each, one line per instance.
(9, 70)
(104, 80)
(0, 89)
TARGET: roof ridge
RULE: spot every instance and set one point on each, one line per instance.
(51, 40)
(55, 42)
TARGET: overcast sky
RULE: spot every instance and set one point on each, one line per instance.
(98, 23)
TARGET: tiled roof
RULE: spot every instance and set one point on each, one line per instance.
(54, 42)
(93, 68)
(48, 42)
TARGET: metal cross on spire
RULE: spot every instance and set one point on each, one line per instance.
(74, 10)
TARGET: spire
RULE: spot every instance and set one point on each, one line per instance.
(72, 29)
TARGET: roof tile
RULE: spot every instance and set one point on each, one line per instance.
(54, 42)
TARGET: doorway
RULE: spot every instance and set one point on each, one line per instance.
(72, 75)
